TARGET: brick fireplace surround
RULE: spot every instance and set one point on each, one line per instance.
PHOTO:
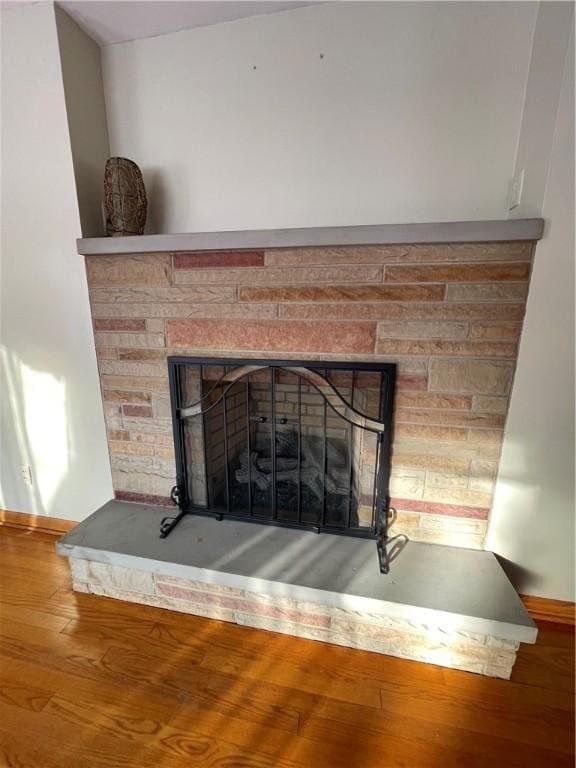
(449, 315)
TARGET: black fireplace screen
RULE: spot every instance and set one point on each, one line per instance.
(293, 443)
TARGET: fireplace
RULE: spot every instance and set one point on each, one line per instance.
(290, 443)
(263, 382)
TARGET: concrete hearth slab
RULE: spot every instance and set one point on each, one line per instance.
(465, 589)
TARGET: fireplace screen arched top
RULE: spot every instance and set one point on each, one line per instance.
(297, 443)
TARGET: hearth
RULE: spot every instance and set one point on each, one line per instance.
(288, 443)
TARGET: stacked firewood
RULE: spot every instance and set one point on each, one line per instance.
(330, 473)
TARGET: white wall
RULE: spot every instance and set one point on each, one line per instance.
(554, 24)
(412, 114)
(86, 113)
(532, 524)
(51, 411)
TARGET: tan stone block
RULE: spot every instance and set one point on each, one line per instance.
(106, 353)
(488, 292)
(499, 642)
(113, 415)
(249, 604)
(495, 436)
(148, 465)
(405, 366)
(164, 452)
(387, 306)
(272, 335)
(419, 640)
(211, 612)
(183, 309)
(429, 400)
(495, 330)
(443, 480)
(141, 449)
(118, 434)
(129, 579)
(142, 268)
(129, 368)
(163, 580)
(456, 348)
(333, 293)
(161, 407)
(462, 450)
(503, 672)
(155, 325)
(113, 339)
(449, 538)
(78, 568)
(407, 329)
(154, 427)
(458, 418)
(457, 496)
(383, 254)
(407, 523)
(142, 483)
(405, 384)
(453, 525)
(482, 377)
(145, 355)
(468, 273)
(138, 383)
(427, 432)
(80, 587)
(283, 626)
(161, 440)
(489, 404)
(483, 475)
(126, 396)
(429, 461)
(409, 485)
(265, 276)
(161, 294)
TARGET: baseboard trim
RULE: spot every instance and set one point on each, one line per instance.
(40, 523)
(546, 609)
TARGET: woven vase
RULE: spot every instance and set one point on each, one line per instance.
(125, 203)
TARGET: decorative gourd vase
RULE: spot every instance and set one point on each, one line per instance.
(125, 204)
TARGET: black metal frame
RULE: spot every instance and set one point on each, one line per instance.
(381, 509)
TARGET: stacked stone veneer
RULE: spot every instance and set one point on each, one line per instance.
(421, 640)
(450, 316)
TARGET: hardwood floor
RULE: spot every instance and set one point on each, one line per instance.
(88, 682)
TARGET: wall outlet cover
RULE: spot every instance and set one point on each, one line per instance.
(26, 473)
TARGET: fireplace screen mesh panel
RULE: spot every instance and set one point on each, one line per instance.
(287, 443)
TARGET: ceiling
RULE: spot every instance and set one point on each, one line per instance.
(117, 21)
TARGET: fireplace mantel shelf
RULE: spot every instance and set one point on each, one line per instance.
(381, 234)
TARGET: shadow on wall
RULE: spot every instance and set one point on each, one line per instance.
(35, 433)
(154, 181)
(531, 495)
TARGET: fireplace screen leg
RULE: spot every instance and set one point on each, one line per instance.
(383, 559)
(169, 523)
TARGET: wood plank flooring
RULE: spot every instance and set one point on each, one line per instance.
(87, 682)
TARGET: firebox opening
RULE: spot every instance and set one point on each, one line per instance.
(296, 443)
